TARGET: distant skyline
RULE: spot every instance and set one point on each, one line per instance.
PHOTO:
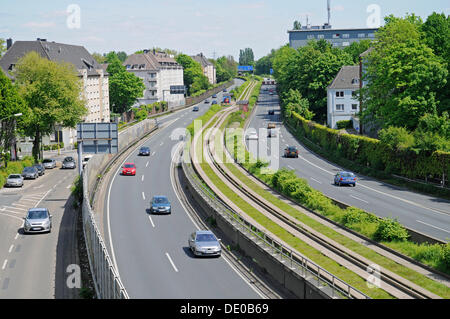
(188, 26)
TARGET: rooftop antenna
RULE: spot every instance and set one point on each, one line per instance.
(329, 11)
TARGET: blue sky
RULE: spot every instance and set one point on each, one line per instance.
(189, 26)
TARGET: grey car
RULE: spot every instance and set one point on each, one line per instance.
(14, 180)
(38, 220)
(69, 162)
(204, 243)
(30, 173)
(49, 163)
(40, 168)
(160, 204)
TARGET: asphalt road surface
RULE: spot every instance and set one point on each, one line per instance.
(28, 262)
(426, 214)
(151, 251)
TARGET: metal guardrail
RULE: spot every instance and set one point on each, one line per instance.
(304, 267)
(106, 280)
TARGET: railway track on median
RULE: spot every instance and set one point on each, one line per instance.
(214, 153)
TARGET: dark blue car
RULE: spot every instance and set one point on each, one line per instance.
(144, 151)
(345, 178)
(160, 205)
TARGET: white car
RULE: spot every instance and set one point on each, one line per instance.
(252, 136)
(86, 159)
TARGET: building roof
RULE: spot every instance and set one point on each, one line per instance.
(347, 78)
(56, 52)
(367, 52)
(150, 61)
(200, 58)
(329, 29)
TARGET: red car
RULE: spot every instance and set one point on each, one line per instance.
(129, 169)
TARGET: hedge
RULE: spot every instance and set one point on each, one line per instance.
(372, 153)
(14, 168)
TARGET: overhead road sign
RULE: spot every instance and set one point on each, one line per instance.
(245, 68)
(98, 138)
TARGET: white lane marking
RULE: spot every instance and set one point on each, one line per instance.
(173, 265)
(357, 198)
(30, 200)
(151, 221)
(162, 143)
(42, 199)
(380, 192)
(17, 236)
(146, 165)
(432, 226)
(10, 248)
(143, 195)
(316, 180)
(142, 178)
(4, 264)
(289, 166)
(19, 205)
(69, 186)
(18, 208)
(37, 187)
(153, 154)
(12, 212)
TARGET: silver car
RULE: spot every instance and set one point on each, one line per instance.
(14, 180)
(204, 243)
(38, 220)
(49, 163)
(69, 162)
(30, 173)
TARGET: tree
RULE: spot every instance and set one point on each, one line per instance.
(10, 104)
(99, 58)
(263, 65)
(111, 56)
(193, 76)
(297, 25)
(52, 92)
(356, 48)
(246, 57)
(2, 47)
(403, 76)
(124, 87)
(294, 102)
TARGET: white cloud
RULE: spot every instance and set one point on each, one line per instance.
(33, 24)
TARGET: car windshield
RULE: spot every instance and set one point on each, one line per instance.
(292, 149)
(15, 176)
(68, 159)
(47, 161)
(206, 237)
(161, 200)
(347, 175)
(129, 166)
(144, 148)
(37, 214)
(28, 169)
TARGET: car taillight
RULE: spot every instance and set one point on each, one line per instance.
(342, 179)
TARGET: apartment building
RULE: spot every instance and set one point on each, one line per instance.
(161, 75)
(209, 70)
(342, 103)
(94, 78)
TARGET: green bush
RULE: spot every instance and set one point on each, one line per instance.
(390, 230)
(445, 257)
(341, 125)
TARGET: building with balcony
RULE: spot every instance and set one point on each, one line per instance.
(160, 72)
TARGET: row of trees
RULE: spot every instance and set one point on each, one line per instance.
(246, 57)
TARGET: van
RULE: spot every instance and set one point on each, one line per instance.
(271, 126)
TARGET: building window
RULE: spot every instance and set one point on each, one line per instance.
(345, 44)
(321, 36)
(340, 107)
(371, 35)
(336, 36)
(361, 35)
(340, 94)
(354, 107)
(346, 36)
(310, 36)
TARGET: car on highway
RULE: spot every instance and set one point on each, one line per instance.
(49, 163)
(252, 136)
(345, 178)
(204, 243)
(214, 102)
(291, 151)
(144, 151)
(214, 96)
(14, 180)
(271, 93)
(224, 90)
(38, 220)
(271, 112)
(272, 133)
(161, 205)
(206, 101)
(30, 173)
(195, 109)
(40, 168)
(129, 169)
(69, 163)
(271, 126)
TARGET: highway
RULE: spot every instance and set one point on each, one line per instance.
(33, 266)
(151, 251)
(426, 214)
